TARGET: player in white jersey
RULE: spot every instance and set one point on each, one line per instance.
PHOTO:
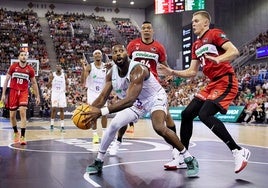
(93, 77)
(140, 93)
(58, 83)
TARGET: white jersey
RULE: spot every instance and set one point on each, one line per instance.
(95, 82)
(58, 89)
(151, 96)
(58, 83)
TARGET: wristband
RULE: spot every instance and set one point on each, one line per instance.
(104, 111)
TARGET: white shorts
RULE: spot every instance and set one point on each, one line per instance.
(58, 99)
(151, 104)
(91, 97)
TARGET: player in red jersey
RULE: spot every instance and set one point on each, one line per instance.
(150, 53)
(213, 51)
(19, 74)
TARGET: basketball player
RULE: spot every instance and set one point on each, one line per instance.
(58, 83)
(19, 74)
(150, 53)
(213, 51)
(93, 77)
(139, 92)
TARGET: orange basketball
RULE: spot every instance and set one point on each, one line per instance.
(78, 118)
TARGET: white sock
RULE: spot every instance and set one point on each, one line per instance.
(103, 131)
(185, 153)
(52, 122)
(62, 123)
(95, 132)
(101, 156)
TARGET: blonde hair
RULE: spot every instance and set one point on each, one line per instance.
(204, 14)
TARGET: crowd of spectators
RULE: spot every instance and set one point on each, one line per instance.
(16, 28)
(76, 34)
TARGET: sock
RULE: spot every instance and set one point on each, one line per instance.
(23, 132)
(100, 156)
(103, 131)
(52, 122)
(95, 132)
(62, 123)
(15, 128)
(185, 153)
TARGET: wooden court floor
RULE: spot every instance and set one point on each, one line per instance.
(58, 160)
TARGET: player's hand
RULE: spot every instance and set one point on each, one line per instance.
(212, 58)
(108, 65)
(164, 69)
(37, 100)
(83, 63)
(91, 115)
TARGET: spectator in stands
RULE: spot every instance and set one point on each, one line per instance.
(213, 51)
(258, 115)
(249, 109)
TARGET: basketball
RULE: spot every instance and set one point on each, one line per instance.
(78, 118)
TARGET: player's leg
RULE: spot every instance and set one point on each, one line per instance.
(158, 119)
(23, 121)
(103, 124)
(52, 117)
(187, 117)
(121, 118)
(117, 142)
(206, 115)
(130, 128)
(12, 105)
(62, 103)
(23, 103)
(62, 120)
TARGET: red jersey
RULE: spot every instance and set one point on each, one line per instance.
(148, 54)
(210, 43)
(20, 76)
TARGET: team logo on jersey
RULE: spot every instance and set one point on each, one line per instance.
(153, 49)
(137, 46)
(205, 40)
(223, 36)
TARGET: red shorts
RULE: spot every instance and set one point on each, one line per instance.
(221, 91)
(16, 99)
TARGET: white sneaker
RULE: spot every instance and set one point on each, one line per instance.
(114, 148)
(241, 159)
(177, 162)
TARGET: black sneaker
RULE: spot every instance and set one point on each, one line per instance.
(95, 168)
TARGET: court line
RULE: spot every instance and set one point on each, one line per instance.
(95, 184)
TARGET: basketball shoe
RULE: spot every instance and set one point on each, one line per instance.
(130, 129)
(95, 167)
(96, 139)
(241, 159)
(192, 166)
(16, 137)
(114, 148)
(62, 129)
(177, 162)
(23, 140)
